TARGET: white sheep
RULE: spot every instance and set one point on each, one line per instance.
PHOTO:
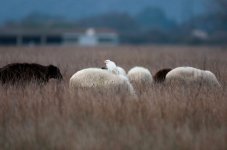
(141, 78)
(102, 81)
(192, 75)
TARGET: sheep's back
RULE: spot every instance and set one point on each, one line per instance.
(190, 75)
(140, 78)
(98, 80)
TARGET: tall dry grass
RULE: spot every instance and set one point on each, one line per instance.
(164, 117)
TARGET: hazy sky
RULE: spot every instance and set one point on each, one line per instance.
(74, 9)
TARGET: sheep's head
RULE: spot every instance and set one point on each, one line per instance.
(160, 76)
(54, 72)
(104, 68)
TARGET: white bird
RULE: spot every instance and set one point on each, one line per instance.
(121, 71)
(112, 67)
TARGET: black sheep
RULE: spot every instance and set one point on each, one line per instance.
(24, 73)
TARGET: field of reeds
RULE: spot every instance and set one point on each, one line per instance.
(162, 118)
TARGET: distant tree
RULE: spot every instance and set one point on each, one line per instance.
(222, 5)
(121, 22)
(221, 11)
(42, 20)
(216, 6)
(154, 18)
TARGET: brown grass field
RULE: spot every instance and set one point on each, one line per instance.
(163, 118)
